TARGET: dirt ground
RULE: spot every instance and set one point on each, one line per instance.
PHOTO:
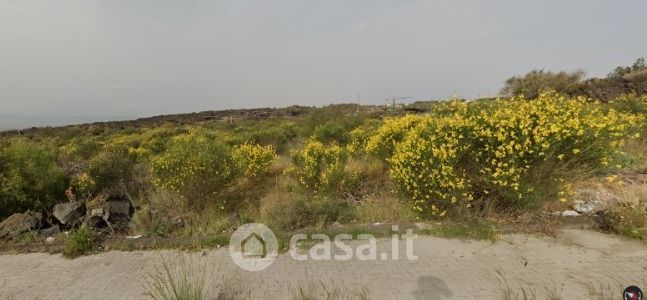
(578, 264)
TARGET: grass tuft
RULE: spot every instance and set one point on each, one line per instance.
(28, 237)
(313, 291)
(181, 280)
(476, 230)
(78, 242)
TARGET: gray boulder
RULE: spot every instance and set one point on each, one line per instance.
(96, 219)
(19, 223)
(50, 232)
(591, 201)
(587, 208)
(117, 212)
(69, 214)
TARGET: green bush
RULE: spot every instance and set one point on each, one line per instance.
(30, 179)
(621, 71)
(321, 168)
(631, 104)
(536, 81)
(293, 211)
(78, 242)
(112, 166)
(635, 105)
(331, 131)
(336, 131)
(278, 133)
(343, 113)
(83, 147)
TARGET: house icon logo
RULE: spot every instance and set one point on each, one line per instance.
(253, 247)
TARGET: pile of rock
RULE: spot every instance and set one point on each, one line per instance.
(112, 216)
(596, 200)
(590, 202)
(18, 224)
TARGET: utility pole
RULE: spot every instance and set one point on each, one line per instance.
(394, 103)
(359, 105)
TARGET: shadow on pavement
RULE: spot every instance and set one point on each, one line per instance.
(431, 288)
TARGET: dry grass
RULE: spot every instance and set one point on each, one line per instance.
(235, 287)
(385, 209)
(156, 212)
(530, 293)
(187, 278)
(181, 280)
(629, 221)
(610, 290)
(322, 291)
(635, 193)
(527, 291)
(604, 291)
(593, 291)
(635, 151)
(292, 211)
(6, 294)
(469, 230)
(627, 210)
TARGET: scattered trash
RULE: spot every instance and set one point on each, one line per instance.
(570, 213)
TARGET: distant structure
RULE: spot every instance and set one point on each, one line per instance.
(393, 103)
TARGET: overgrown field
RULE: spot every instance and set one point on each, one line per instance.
(335, 164)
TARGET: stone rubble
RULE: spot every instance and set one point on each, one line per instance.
(113, 216)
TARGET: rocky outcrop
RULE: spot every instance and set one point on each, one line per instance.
(113, 215)
(117, 212)
(69, 214)
(17, 224)
(590, 201)
(107, 216)
(607, 89)
(96, 219)
(190, 118)
(50, 232)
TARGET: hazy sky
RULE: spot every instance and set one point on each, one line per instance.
(150, 57)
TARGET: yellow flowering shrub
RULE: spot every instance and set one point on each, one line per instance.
(427, 164)
(451, 107)
(384, 140)
(83, 185)
(195, 165)
(359, 136)
(148, 142)
(491, 149)
(319, 167)
(253, 159)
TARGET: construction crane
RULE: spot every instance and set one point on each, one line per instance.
(394, 100)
